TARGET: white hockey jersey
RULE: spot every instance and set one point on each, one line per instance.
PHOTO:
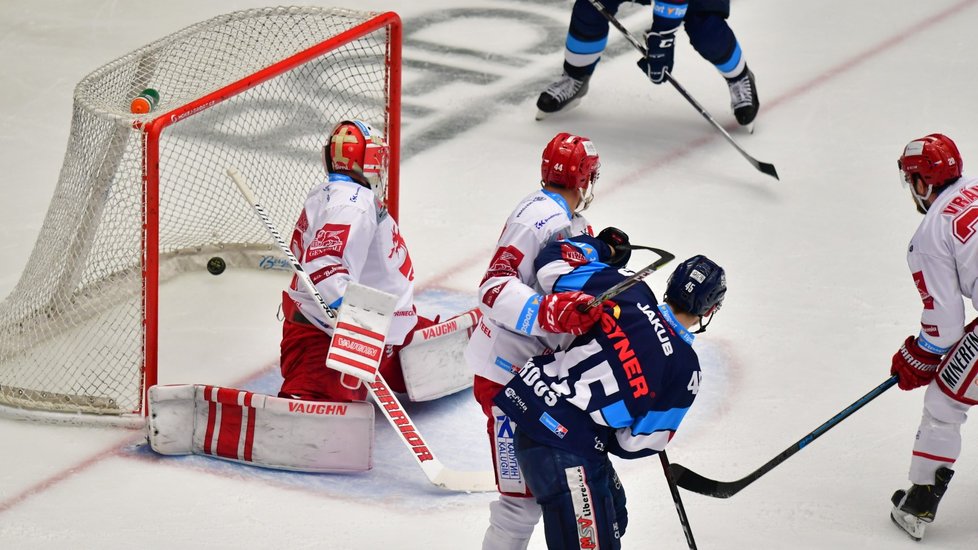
(943, 260)
(343, 235)
(509, 295)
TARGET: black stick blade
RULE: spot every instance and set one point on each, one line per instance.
(691, 481)
(768, 169)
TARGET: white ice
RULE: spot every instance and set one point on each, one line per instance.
(819, 298)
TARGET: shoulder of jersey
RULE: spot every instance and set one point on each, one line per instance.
(538, 210)
(336, 195)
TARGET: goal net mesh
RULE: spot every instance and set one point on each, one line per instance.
(255, 90)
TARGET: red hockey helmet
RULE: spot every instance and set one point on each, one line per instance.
(934, 158)
(355, 148)
(570, 161)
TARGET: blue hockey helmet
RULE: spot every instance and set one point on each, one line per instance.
(697, 286)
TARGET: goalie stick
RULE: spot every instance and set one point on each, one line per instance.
(764, 167)
(436, 472)
(691, 481)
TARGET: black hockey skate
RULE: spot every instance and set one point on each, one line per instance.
(743, 97)
(915, 508)
(563, 94)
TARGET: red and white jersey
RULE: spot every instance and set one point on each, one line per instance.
(339, 239)
(943, 259)
(509, 295)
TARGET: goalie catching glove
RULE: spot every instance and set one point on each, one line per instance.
(567, 312)
(913, 365)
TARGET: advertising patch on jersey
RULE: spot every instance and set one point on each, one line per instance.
(918, 279)
(556, 427)
(326, 272)
(489, 298)
(583, 503)
(572, 255)
(956, 375)
(330, 240)
(505, 263)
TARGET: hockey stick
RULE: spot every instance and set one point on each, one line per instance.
(635, 278)
(437, 473)
(677, 500)
(690, 480)
(764, 167)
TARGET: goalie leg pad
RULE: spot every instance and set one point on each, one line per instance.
(241, 426)
(433, 362)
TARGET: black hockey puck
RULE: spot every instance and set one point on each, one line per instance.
(216, 265)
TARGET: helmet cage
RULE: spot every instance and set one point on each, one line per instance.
(355, 147)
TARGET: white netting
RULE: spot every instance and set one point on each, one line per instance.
(71, 332)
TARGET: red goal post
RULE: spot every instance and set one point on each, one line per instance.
(144, 197)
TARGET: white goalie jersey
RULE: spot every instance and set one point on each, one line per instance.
(509, 295)
(943, 260)
(344, 235)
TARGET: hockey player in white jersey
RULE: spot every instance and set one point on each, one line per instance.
(943, 261)
(519, 321)
(344, 234)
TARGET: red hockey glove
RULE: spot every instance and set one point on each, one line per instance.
(913, 365)
(564, 312)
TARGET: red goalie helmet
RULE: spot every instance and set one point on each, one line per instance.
(570, 161)
(354, 147)
(934, 158)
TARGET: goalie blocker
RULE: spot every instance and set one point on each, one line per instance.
(257, 429)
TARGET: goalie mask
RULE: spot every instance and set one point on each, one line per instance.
(934, 160)
(572, 162)
(697, 287)
(357, 150)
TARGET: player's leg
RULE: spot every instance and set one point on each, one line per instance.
(576, 494)
(514, 515)
(587, 37)
(303, 362)
(711, 36)
(938, 444)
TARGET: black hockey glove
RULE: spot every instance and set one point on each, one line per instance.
(618, 241)
(660, 55)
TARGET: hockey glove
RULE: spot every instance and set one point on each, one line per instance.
(913, 365)
(658, 63)
(618, 241)
(564, 312)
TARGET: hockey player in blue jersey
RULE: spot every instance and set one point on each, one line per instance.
(706, 25)
(621, 388)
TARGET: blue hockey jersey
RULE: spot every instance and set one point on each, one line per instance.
(624, 386)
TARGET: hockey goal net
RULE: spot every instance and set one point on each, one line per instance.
(142, 198)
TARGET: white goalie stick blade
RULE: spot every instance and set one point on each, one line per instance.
(436, 472)
(361, 329)
(433, 363)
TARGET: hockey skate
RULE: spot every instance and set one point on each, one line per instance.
(915, 508)
(564, 94)
(743, 98)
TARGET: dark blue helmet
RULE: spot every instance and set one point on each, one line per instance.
(696, 286)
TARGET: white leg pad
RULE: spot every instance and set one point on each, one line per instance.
(252, 428)
(434, 363)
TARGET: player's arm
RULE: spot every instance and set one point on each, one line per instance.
(660, 39)
(943, 315)
(566, 265)
(505, 298)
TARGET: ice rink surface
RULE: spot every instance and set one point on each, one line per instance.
(819, 294)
